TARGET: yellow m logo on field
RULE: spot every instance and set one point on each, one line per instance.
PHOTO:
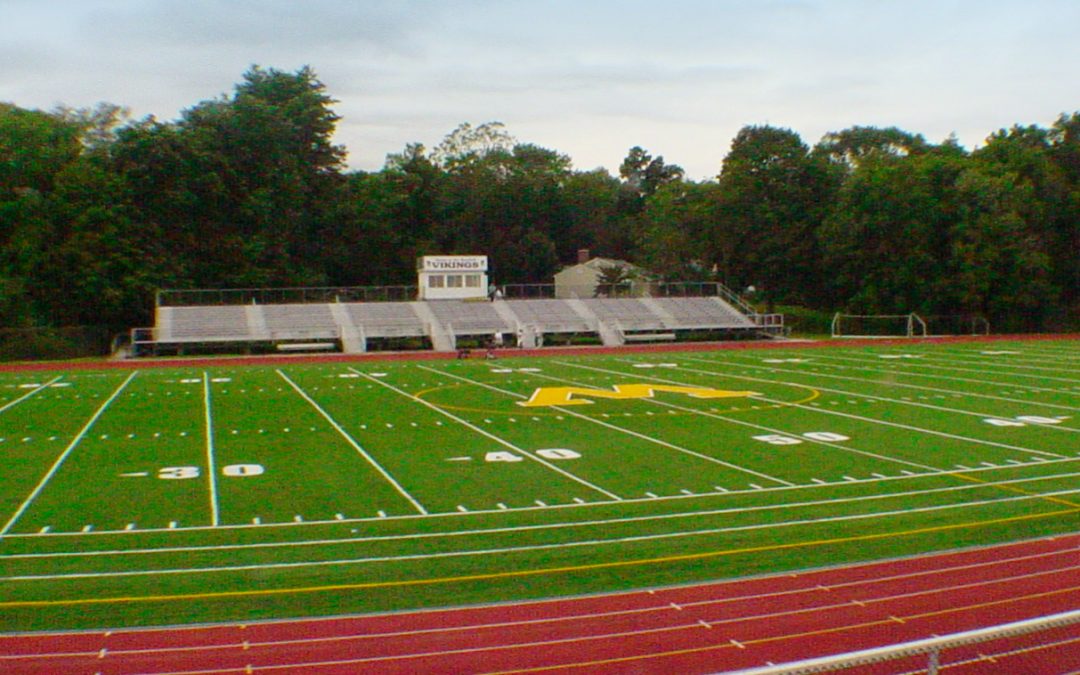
(549, 396)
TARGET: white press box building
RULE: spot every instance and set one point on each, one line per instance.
(452, 277)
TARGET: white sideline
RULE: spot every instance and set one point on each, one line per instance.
(540, 547)
(522, 528)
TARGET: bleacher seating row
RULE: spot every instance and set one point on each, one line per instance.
(615, 320)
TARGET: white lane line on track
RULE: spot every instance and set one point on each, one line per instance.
(620, 635)
(990, 557)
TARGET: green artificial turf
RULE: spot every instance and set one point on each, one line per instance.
(163, 496)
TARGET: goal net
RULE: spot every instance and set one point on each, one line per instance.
(957, 324)
(878, 325)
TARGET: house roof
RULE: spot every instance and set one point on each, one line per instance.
(601, 263)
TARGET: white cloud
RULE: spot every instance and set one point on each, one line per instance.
(586, 78)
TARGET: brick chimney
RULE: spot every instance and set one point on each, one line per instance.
(582, 256)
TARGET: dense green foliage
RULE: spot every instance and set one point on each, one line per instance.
(96, 212)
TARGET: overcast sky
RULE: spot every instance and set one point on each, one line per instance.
(588, 78)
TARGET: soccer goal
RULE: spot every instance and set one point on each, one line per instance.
(877, 325)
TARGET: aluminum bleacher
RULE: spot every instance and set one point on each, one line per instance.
(386, 319)
(204, 324)
(323, 324)
(702, 313)
(300, 321)
(468, 317)
(627, 313)
(550, 316)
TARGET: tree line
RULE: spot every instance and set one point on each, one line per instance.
(98, 211)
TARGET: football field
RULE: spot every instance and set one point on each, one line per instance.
(222, 491)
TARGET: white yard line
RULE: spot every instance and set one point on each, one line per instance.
(31, 393)
(925, 363)
(482, 432)
(561, 525)
(846, 448)
(871, 420)
(871, 363)
(844, 392)
(64, 455)
(622, 430)
(355, 446)
(585, 543)
(211, 472)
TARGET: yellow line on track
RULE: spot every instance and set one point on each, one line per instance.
(530, 572)
(789, 636)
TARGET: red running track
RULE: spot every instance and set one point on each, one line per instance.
(690, 629)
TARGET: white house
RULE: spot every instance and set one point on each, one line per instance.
(581, 280)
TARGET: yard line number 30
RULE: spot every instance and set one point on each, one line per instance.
(231, 470)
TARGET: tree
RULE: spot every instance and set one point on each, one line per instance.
(1065, 154)
(1000, 267)
(772, 194)
(675, 235)
(467, 144)
(851, 147)
(34, 148)
(644, 174)
(590, 200)
(885, 243)
(242, 187)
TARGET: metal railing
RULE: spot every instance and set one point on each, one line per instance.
(281, 296)
(931, 648)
